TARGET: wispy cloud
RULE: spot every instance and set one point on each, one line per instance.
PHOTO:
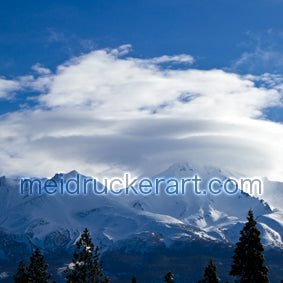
(8, 88)
(183, 58)
(40, 69)
(259, 57)
(55, 36)
(264, 52)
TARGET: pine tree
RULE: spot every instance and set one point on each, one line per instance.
(86, 266)
(134, 280)
(169, 277)
(210, 275)
(22, 273)
(37, 270)
(248, 260)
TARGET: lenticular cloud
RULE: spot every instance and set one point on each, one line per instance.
(105, 113)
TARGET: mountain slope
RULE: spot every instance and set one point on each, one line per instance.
(53, 223)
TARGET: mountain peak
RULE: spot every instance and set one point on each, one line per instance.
(186, 169)
(65, 176)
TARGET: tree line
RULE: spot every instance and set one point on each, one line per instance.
(247, 267)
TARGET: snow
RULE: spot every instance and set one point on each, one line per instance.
(52, 221)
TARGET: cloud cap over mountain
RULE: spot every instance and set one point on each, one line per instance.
(104, 113)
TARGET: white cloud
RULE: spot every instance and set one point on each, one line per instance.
(7, 88)
(259, 58)
(102, 113)
(40, 69)
(177, 59)
(264, 53)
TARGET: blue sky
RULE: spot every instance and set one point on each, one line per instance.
(95, 85)
(217, 33)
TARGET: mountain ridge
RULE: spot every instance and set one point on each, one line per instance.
(52, 222)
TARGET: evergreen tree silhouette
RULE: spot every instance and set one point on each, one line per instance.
(134, 280)
(22, 273)
(210, 275)
(169, 277)
(86, 266)
(248, 260)
(37, 270)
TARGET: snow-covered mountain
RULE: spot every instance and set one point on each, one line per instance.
(134, 223)
(54, 222)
